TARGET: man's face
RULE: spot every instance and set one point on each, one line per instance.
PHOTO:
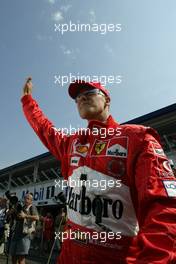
(28, 199)
(91, 105)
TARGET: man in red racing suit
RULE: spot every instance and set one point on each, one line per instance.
(124, 210)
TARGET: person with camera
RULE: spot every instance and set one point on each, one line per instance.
(136, 209)
(3, 208)
(59, 224)
(21, 231)
(48, 232)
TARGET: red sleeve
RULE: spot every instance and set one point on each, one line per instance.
(53, 139)
(156, 210)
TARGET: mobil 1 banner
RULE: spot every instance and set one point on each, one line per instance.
(43, 193)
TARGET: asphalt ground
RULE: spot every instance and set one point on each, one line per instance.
(3, 260)
(34, 257)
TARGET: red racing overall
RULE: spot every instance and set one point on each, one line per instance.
(131, 191)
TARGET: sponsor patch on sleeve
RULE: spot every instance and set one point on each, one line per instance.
(118, 148)
(158, 150)
(79, 149)
(170, 187)
(165, 170)
(74, 161)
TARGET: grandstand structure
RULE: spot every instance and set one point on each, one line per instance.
(39, 175)
(164, 121)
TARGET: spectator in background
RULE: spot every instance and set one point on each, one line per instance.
(22, 229)
(37, 241)
(48, 231)
(3, 208)
(59, 224)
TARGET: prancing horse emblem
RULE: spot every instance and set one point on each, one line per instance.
(99, 147)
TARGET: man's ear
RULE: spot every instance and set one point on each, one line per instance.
(108, 101)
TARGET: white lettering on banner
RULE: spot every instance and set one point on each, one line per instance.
(170, 187)
(37, 195)
(43, 193)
